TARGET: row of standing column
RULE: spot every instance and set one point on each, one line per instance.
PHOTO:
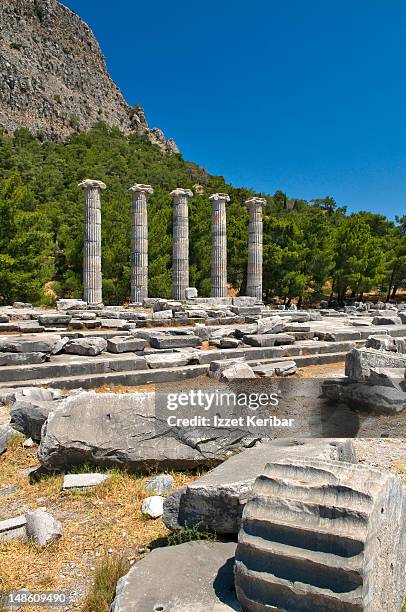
(92, 272)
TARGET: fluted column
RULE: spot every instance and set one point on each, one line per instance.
(180, 258)
(139, 242)
(254, 267)
(219, 245)
(92, 273)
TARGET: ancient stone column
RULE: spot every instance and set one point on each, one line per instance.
(254, 267)
(219, 245)
(180, 258)
(139, 242)
(92, 274)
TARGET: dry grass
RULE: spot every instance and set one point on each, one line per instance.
(148, 388)
(107, 573)
(105, 521)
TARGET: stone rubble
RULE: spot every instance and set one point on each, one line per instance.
(153, 506)
(163, 483)
(84, 480)
(42, 528)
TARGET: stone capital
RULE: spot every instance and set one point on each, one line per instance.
(255, 201)
(181, 192)
(139, 187)
(91, 184)
(219, 197)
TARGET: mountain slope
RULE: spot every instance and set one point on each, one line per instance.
(53, 77)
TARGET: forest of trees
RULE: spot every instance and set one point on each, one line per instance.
(311, 249)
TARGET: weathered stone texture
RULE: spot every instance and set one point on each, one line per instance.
(216, 500)
(130, 430)
(191, 577)
(322, 535)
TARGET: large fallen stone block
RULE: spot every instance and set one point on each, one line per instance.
(173, 341)
(278, 368)
(217, 367)
(30, 327)
(245, 330)
(170, 360)
(216, 500)
(196, 313)
(46, 344)
(218, 334)
(190, 577)
(359, 362)
(246, 310)
(237, 371)
(378, 398)
(387, 320)
(381, 343)
(297, 327)
(125, 344)
(113, 323)
(28, 416)
(54, 319)
(271, 325)
(131, 430)
(260, 340)
(385, 342)
(163, 305)
(13, 359)
(110, 314)
(322, 535)
(269, 339)
(70, 304)
(162, 314)
(86, 346)
(85, 315)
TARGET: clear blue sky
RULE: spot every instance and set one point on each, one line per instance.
(307, 96)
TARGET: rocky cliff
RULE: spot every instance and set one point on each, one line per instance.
(53, 77)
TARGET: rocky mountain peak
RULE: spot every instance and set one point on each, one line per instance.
(53, 76)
